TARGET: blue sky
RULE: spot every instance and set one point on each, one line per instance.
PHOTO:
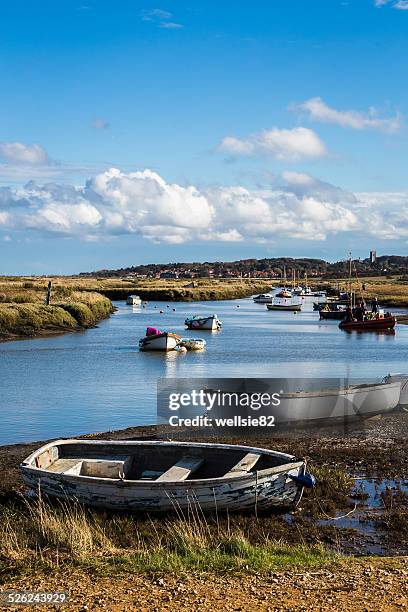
(236, 129)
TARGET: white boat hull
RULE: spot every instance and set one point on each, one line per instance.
(357, 401)
(284, 306)
(163, 342)
(209, 323)
(271, 488)
(263, 299)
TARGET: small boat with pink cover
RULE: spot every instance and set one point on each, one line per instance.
(156, 340)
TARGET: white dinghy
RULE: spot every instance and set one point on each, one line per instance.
(210, 322)
(156, 340)
(166, 476)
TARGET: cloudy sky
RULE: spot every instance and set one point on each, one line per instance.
(138, 132)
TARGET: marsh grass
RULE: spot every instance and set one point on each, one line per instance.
(35, 533)
(24, 313)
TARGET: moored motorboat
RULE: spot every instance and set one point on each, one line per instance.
(284, 293)
(263, 298)
(133, 300)
(192, 344)
(330, 313)
(157, 476)
(156, 340)
(378, 322)
(210, 322)
(285, 304)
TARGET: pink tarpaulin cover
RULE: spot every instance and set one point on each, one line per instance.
(152, 331)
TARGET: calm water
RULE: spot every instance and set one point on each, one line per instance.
(98, 380)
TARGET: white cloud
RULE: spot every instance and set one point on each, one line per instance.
(160, 18)
(170, 25)
(320, 111)
(20, 153)
(152, 14)
(114, 203)
(401, 5)
(283, 144)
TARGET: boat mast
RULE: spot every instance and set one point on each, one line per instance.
(350, 292)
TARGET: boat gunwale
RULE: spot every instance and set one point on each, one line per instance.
(341, 390)
(265, 473)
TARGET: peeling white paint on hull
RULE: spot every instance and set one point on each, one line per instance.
(266, 488)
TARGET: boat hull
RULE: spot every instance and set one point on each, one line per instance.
(356, 401)
(274, 488)
(209, 323)
(288, 307)
(370, 325)
(161, 342)
(265, 299)
(332, 315)
(193, 344)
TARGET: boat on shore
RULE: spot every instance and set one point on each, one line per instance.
(156, 340)
(210, 322)
(339, 404)
(354, 401)
(164, 476)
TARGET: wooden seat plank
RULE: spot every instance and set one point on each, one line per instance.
(182, 469)
(244, 465)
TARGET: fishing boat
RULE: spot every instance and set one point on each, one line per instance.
(285, 304)
(156, 340)
(210, 322)
(378, 322)
(263, 298)
(164, 476)
(133, 300)
(192, 344)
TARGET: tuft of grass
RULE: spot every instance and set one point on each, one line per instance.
(35, 533)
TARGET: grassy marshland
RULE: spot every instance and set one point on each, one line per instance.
(35, 533)
(148, 289)
(391, 291)
(23, 312)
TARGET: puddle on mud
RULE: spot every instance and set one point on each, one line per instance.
(363, 531)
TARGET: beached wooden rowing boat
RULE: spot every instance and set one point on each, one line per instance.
(166, 476)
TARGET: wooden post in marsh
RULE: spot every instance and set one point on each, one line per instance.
(49, 289)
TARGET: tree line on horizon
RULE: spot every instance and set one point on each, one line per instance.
(261, 268)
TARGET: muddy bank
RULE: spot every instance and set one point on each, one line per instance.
(359, 507)
(370, 584)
